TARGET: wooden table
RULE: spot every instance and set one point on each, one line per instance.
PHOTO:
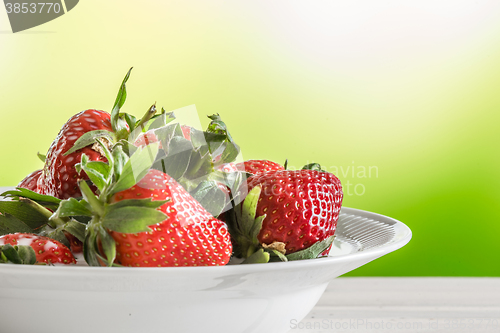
(424, 304)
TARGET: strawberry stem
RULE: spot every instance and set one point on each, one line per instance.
(120, 100)
(54, 222)
(259, 257)
(89, 196)
(147, 117)
(251, 250)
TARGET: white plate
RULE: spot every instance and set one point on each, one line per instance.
(260, 298)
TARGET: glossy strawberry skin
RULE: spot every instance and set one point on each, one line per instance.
(60, 177)
(47, 250)
(31, 181)
(76, 245)
(190, 236)
(256, 167)
(301, 207)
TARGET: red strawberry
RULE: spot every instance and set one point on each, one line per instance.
(76, 245)
(256, 167)
(300, 209)
(189, 237)
(60, 177)
(47, 250)
(30, 182)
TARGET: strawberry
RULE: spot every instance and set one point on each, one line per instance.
(256, 167)
(189, 236)
(77, 137)
(143, 217)
(288, 212)
(75, 245)
(60, 178)
(47, 250)
(30, 182)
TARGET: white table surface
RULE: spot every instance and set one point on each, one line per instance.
(407, 305)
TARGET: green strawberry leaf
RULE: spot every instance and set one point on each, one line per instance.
(26, 212)
(257, 226)
(42, 157)
(120, 100)
(72, 207)
(215, 142)
(108, 246)
(249, 210)
(166, 133)
(136, 167)
(100, 167)
(106, 151)
(27, 254)
(143, 124)
(90, 248)
(178, 144)
(89, 138)
(119, 160)
(45, 200)
(130, 120)
(210, 196)
(148, 203)
(161, 120)
(258, 257)
(177, 160)
(17, 254)
(93, 170)
(313, 251)
(312, 166)
(200, 167)
(230, 153)
(131, 220)
(10, 254)
(76, 228)
(198, 138)
(277, 255)
(127, 146)
(218, 126)
(234, 179)
(207, 142)
(105, 261)
(10, 224)
(123, 133)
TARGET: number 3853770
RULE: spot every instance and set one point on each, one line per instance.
(33, 8)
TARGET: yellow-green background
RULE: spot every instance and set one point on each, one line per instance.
(409, 87)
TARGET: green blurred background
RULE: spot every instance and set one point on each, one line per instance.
(407, 90)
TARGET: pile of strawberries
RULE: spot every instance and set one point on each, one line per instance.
(153, 193)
